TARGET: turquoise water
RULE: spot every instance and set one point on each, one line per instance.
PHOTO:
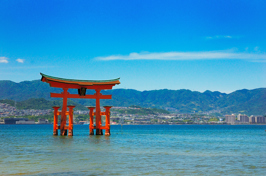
(134, 150)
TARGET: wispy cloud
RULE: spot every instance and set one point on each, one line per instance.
(220, 37)
(29, 67)
(3, 60)
(203, 55)
(256, 60)
(256, 48)
(20, 60)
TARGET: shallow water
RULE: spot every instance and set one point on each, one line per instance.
(134, 150)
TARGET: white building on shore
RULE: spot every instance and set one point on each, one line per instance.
(230, 119)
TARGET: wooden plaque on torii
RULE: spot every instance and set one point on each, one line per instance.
(81, 86)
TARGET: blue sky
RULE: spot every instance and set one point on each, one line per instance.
(196, 45)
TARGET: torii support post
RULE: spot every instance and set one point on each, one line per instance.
(107, 120)
(63, 130)
(99, 131)
(91, 108)
(55, 131)
(70, 120)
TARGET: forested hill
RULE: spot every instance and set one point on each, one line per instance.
(183, 101)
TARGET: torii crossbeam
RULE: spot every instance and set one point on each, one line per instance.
(81, 86)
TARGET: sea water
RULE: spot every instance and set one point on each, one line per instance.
(134, 150)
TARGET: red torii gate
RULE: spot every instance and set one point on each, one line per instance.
(82, 86)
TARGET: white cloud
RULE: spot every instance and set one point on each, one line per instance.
(220, 37)
(30, 67)
(201, 55)
(262, 61)
(3, 60)
(20, 60)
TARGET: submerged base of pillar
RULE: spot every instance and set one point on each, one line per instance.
(107, 133)
(99, 132)
(55, 133)
(63, 132)
(91, 132)
(70, 132)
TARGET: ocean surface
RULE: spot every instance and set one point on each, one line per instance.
(134, 150)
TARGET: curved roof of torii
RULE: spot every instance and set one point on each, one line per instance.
(48, 79)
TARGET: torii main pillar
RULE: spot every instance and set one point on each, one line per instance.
(81, 85)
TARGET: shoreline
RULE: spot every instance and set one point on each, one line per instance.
(145, 124)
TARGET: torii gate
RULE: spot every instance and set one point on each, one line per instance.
(81, 85)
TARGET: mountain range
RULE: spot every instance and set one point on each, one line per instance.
(183, 101)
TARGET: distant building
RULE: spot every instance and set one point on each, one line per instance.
(42, 121)
(25, 122)
(257, 119)
(230, 119)
(13, 120)
(261, 119)
(242, 118)
(252, 119)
